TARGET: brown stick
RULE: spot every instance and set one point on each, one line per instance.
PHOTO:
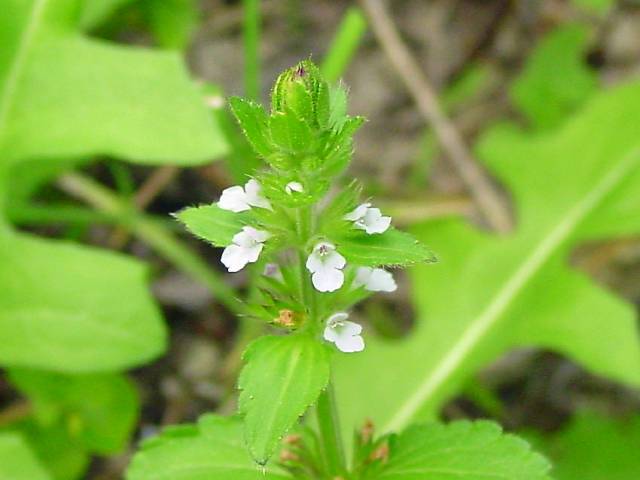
(486, 197)
(152, 186)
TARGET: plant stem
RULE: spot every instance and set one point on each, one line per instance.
(329, 426)
(251, 49)
(153, 233)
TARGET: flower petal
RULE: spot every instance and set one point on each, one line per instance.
(327, 279)
(252, 189)
(314, 262)
(234, 258)
(234, 199)
(334, 260)
(336, 318)
(358, 213)
(294, 187)
(375, 280)
(374, 222)
(350, 344)
(349, 329)
(258, 236)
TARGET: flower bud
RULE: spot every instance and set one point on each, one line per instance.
(302, 90)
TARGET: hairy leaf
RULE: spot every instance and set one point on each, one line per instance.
(490, 294)
(71, 308)
(211, 223)
(102, 407)
(17, 462)
(393, 248)
(214, 448)
(460, 451)
(281, 378)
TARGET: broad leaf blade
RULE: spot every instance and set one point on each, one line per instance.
(70, 308)
(17, 462)
(102, 407)
(64, 95)
(281, 378)
(214, 448)
(460, 451)
(488, 295)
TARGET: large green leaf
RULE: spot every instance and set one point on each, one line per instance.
(211, 223)
(71, 308)
(460, 451)
(214, 448)
(281, 378)
(17, 462)
(63, 94)
(102, 408)
(490, 294)
(548, 98)
(593, 447)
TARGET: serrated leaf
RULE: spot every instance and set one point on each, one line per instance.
(211, 223)
(102, 408)
(254, 123)
(17, 461)
(490, 294)
(593, 447)
(548, 99)
(214, 448)
(290, 133)
(281, 378)
(461, 450)
(391, 248)
(72, 308)
(65, 95)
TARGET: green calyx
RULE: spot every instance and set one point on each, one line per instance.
(303, 91)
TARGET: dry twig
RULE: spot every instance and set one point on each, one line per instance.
(490, 203)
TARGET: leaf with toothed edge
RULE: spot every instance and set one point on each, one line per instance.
(392, 248)
(281, 378)
(459, 451)
(212, 448)
(211, 223)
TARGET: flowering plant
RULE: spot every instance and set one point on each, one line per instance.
(314, 250)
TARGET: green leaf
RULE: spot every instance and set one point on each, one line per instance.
(71, 308)
(213, 448)
(461, 450)
(211, 223)
(63, 457)
(65, 95)
(392, 248)
(593, 447)
(490, 294)
(172, 22)
(547, 99)
(101, 408)
(95, 12)
(290, 133)
(17, 462)
(281, 378)
(254, 123)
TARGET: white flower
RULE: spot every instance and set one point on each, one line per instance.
(375, 280)
(246, 248)
(294, 187)
(345, 334)
(326, 265)
(369, 219)
(238, 199)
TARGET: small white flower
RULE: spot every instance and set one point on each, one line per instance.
(238, 199)
(326, 265)
(375, 280)
(369, 219)
(345, 334)
(246, 248)
(294, 187)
